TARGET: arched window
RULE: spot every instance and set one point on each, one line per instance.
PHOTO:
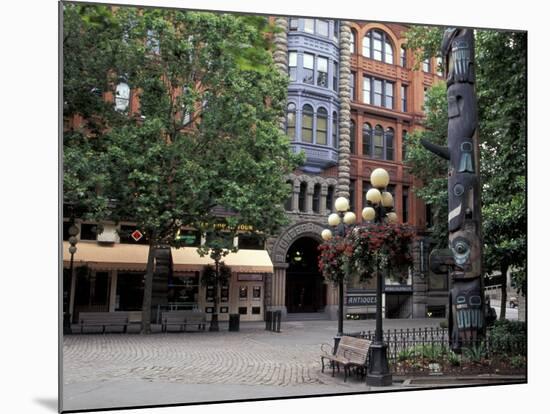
(427, 65)
(288, 201)
(377, 45)
(378, 142)
(302, 197)
(307, 123)
(388, 57)
(291, 120)
(403, 57)
(321, 131)
(122, 97)
(389, 143)
(316, 198)
(367, 139)
(352, 136)
(352, 41)
(330, 198)
(334, 130)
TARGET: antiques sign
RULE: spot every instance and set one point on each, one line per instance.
(360, 300)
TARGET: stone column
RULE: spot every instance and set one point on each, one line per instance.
(342, 188)
(280, 53)
(278, 289)
(323, 200)
(295, 196)
(309, 197)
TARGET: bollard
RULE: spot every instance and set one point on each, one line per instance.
(268, 320)
(234, 321)
(277, 321)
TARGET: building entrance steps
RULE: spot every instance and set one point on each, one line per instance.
(307, 316)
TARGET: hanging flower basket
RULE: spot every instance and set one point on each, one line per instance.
(359, 251)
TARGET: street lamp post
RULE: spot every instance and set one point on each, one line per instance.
(67, 315)
(340, 221)
(380, 206)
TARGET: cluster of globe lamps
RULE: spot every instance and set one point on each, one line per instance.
(376, 197)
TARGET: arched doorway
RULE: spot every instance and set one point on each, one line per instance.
(305, 290)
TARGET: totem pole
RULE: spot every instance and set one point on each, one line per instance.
(463, 258)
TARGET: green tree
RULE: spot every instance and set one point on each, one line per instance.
(501, 89)
(428, 168)
(206, 136)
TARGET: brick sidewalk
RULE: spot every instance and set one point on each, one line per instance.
(253, 361)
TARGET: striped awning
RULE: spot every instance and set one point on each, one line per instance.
(133, 257)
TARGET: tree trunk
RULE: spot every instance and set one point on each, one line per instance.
(503, 291)
(214, 326)
(148, 290)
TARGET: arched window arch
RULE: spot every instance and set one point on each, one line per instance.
(288, 201)
(352, 43)
(335, 130)
(316, 205)
(302, 197)
(352, 136)
(330, 198)
(389, 138)
(367, 139)
(307, 123)
(122, 96)
(291, 120)
(378, 142)
(388, 50)
(377, 45)
(322, 126)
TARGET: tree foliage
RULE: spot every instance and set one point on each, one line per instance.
(501, 90)
(205, 133)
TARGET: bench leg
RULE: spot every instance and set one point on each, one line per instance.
(124, 328)
(345, 373)
(103, 329)
(322, 364)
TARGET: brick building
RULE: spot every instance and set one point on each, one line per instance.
(352, 97)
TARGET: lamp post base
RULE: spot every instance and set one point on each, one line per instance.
(378, 370)
(337, 339)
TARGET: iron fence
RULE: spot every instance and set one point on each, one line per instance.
(427, 351)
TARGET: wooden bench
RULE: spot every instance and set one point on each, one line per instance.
(183, 319)
(351, 352)
(103, 319)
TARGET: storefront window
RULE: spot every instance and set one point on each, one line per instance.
(184, 288)
(130, 291)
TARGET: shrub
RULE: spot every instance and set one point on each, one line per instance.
(508, 337)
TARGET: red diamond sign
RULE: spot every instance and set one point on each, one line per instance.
(136, 235)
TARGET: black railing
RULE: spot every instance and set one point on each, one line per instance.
(427, 351)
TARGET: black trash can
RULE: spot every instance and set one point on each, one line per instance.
(234, 321)
(268, 320)
(277, 321)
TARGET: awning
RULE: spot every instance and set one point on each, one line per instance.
(133, 257)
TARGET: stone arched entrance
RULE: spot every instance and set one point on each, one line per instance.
(279, 249)
(305, 290)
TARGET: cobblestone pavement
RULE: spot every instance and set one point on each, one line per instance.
(255, 357)
(177, 366)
